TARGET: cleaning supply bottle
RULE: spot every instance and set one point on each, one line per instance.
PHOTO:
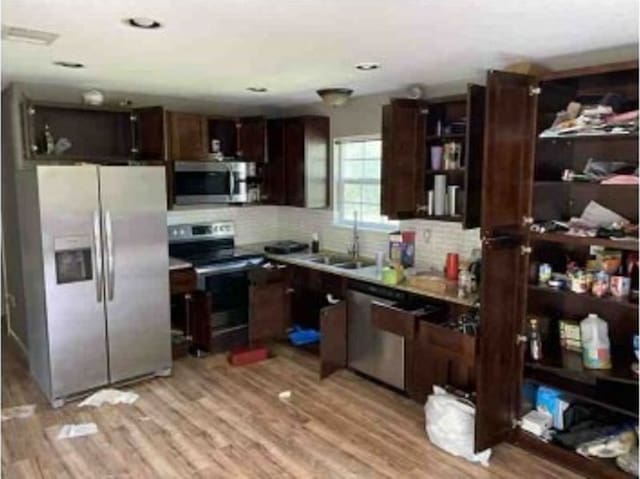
(315, 243)
(596, 348)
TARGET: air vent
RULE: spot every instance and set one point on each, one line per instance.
(26, 35)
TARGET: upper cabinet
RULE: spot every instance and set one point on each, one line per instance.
(188, 136)
(403, 164)
(432, 158)
(55, 132)
(297, 172)
(241, 139)
(150, 133)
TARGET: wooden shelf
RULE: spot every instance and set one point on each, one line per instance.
(450, 136)
(452, 219)
(456, 171)
(590, 467)
(606, 137)
(568, 364)
(564, 294)
(563, 238)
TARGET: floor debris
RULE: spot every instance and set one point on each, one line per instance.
(18, 412)
(284, 395)
(69, 431)
(110, 396)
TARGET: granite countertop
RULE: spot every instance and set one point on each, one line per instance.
(370, 274)
(175, 263)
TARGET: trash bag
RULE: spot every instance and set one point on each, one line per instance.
(450, 425)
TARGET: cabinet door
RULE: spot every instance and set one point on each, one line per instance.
(150, 134)
(316, 162)
(294, 151)
(252, 139)
(403, 158)
(274, 184)
(333, 338)
(508, 151)
(474, 155)
(188, 136)
(499, 355)
(268, 311)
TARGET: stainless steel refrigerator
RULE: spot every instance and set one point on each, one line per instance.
(96, 280)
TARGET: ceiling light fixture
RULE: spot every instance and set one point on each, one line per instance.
(335, 96)
(143, 22)
(27, 35)
(366, 66)
(257, 89)
(69, 64)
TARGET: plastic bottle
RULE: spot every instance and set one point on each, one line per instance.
(535, 342)
(315, 243)
(596, 348)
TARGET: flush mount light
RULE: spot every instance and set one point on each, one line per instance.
(69, 64)
(366, 66)
(335, 96)
(257, 89)
(143, 22)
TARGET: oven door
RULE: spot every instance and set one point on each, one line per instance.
(228, 288)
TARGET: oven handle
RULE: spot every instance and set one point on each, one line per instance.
(236, 266)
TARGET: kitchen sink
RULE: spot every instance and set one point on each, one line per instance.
(329, 260)
(343, 262)
(353, 264)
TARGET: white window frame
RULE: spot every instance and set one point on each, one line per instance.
(339, 216)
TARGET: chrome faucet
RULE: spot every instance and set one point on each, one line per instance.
(354, 249)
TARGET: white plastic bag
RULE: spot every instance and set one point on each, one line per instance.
(450, 425)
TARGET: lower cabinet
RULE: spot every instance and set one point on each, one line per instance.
(268, 304)
(190, 311)
(333, 338)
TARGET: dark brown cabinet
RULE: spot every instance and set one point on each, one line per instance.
(268, 305)
(252, 139)
(333, 338)
(190, 311)
(297, 173)
(65, 132)
(188, 136)
(150, 134)
(403, 166)
(410, 130)
(521, 184)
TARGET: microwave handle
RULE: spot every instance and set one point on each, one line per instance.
(232, 183)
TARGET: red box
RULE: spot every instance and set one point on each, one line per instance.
(246, 355)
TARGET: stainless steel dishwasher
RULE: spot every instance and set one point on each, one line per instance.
(376, 353)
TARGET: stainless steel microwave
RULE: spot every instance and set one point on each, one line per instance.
(198, 182)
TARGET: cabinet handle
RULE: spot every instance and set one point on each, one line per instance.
(521, 338)
(525, 250)
(290, 291)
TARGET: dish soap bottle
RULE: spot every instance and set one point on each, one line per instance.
(315, 243)
(596, 348)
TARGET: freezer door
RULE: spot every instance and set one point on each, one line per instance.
(70, 226)
(134, 217)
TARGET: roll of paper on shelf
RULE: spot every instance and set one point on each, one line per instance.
(439, 194)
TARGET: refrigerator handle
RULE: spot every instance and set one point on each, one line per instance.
(97, 258)
(110, 276)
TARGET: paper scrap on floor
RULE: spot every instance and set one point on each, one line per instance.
(284, 395)
(18, 412)
(69, 431)
(110, 396)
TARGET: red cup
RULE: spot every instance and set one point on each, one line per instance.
(451, 267)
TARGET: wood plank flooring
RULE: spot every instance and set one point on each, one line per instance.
(210, 420)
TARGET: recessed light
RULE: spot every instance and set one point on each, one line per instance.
(257, 89)
(143, 22)
(69, 64)
(366, 66)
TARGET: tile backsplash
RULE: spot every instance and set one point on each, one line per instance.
(434, 239)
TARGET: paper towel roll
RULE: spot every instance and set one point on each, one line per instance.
(439, 193)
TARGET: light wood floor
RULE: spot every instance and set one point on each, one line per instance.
(211, 420)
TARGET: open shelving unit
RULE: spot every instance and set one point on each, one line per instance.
(614, 390)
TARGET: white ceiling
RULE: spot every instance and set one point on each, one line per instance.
(214, 49)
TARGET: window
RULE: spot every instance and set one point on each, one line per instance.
(357, 182)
